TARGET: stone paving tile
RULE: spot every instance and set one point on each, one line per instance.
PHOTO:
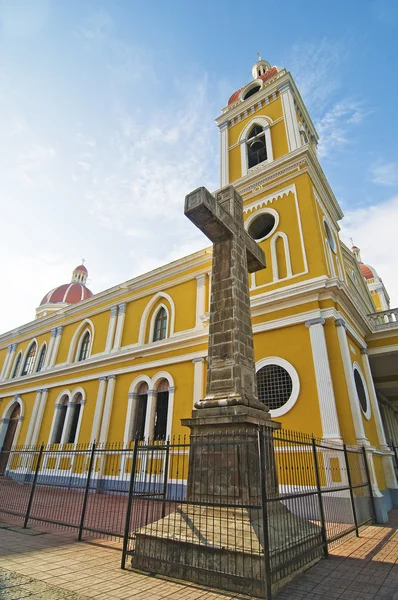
(15, 586)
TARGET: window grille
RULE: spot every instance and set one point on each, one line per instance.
(30, 360)
(274, 386)
(16, 367)
(84, 346)
(160, 329)
(256, 148)
(41, 359)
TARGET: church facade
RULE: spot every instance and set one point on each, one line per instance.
(131, 361)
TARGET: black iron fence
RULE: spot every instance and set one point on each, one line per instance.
(238, 513)
(394, 447)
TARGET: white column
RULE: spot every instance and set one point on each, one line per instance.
(99, 407)
(119, 327)
(39, 417)
(149, 430)
(198, 372)
(111, 329)
(106, 419)
(349, 378)
(50, 348)
(55, 349)
(200, 299)
(9, 361)
(33, 417)
(224, 154)
(327, 402)
(170, 410)
(68, 422)
(131, 412)
(289, 112)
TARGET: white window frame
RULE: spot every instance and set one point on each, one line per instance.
(281, 362)
(368, 413)
(265, 123)
(261, 211)
(152, 324)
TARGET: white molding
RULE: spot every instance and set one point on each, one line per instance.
(368, 412)
(274, 257)
(144, 317)
(224, 155)
(257, 213)
(25, 355)
(6, 415)
(276, 360)
(152, 323)
(85, 325)
(289, 113)
(265, 122)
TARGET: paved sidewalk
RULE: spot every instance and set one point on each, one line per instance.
(44, 564)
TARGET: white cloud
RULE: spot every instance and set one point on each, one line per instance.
(373, 230)
(335, 127)
(385, 174)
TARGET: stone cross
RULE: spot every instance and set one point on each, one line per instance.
(231, 376)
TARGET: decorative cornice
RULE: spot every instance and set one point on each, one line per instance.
(198, 360)
(340, 323)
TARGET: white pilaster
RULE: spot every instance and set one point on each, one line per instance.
(56, 344)
(68, 422)
(149, 430)
(9, 360)
(170, 411)
(119, 327)
(349, 378)
(39, 417)
(327, 402)
(131, 412)
(111, 329)
(99, 407)
(106, 419)
(289, 112)
(198, 372)
(200, 299)
(50, 348)
(224, 154)
(33, 417)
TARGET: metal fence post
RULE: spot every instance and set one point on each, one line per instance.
(369, 481)
(263, 484)
(129, 503)
(354, 512)
(86, 491)
(320, 500)
(166, 477)
(32, 491)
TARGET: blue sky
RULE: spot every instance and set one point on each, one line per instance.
(107, 115)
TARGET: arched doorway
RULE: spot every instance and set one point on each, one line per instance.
(9, 437)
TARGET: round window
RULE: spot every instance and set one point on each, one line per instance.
(362, 397)
(330, 236)
(261, 226)
(251, 92)
(274, 386)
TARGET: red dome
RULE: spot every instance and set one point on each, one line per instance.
(81, 268)
(234, 97)
(267, 75)
(69, 293)
(367, 271)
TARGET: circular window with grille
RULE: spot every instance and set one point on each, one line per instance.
(362, 393)
(277, 385)
(261, 224)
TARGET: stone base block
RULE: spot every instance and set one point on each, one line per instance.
(223, 547)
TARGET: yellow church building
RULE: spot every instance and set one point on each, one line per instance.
(131, 360)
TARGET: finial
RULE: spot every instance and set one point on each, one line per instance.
(259, 56)
(352, 241)
(83, 261)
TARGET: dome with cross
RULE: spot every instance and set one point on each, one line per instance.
(67, 293)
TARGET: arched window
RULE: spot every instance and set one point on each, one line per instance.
(84, 346)
(42, 356)
(362, 392)
(140, 412)
(160, 328)
(256, 147)
(17, 364)
(30, 360)
(76, 409)
(61, 416)
(162, 407)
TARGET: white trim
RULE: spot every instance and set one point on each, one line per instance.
(265, 123)
(276, 360)
(256, 214)
(74, 348)
(144, 318)
(12, 377)
(289, 113)
(367, 413)
(54, 423)
(6, 415)
(152, 323)
(274, 257)
(25, 355)
(44, 344)
(224, 155)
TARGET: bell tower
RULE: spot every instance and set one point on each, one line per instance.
(269, 153)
